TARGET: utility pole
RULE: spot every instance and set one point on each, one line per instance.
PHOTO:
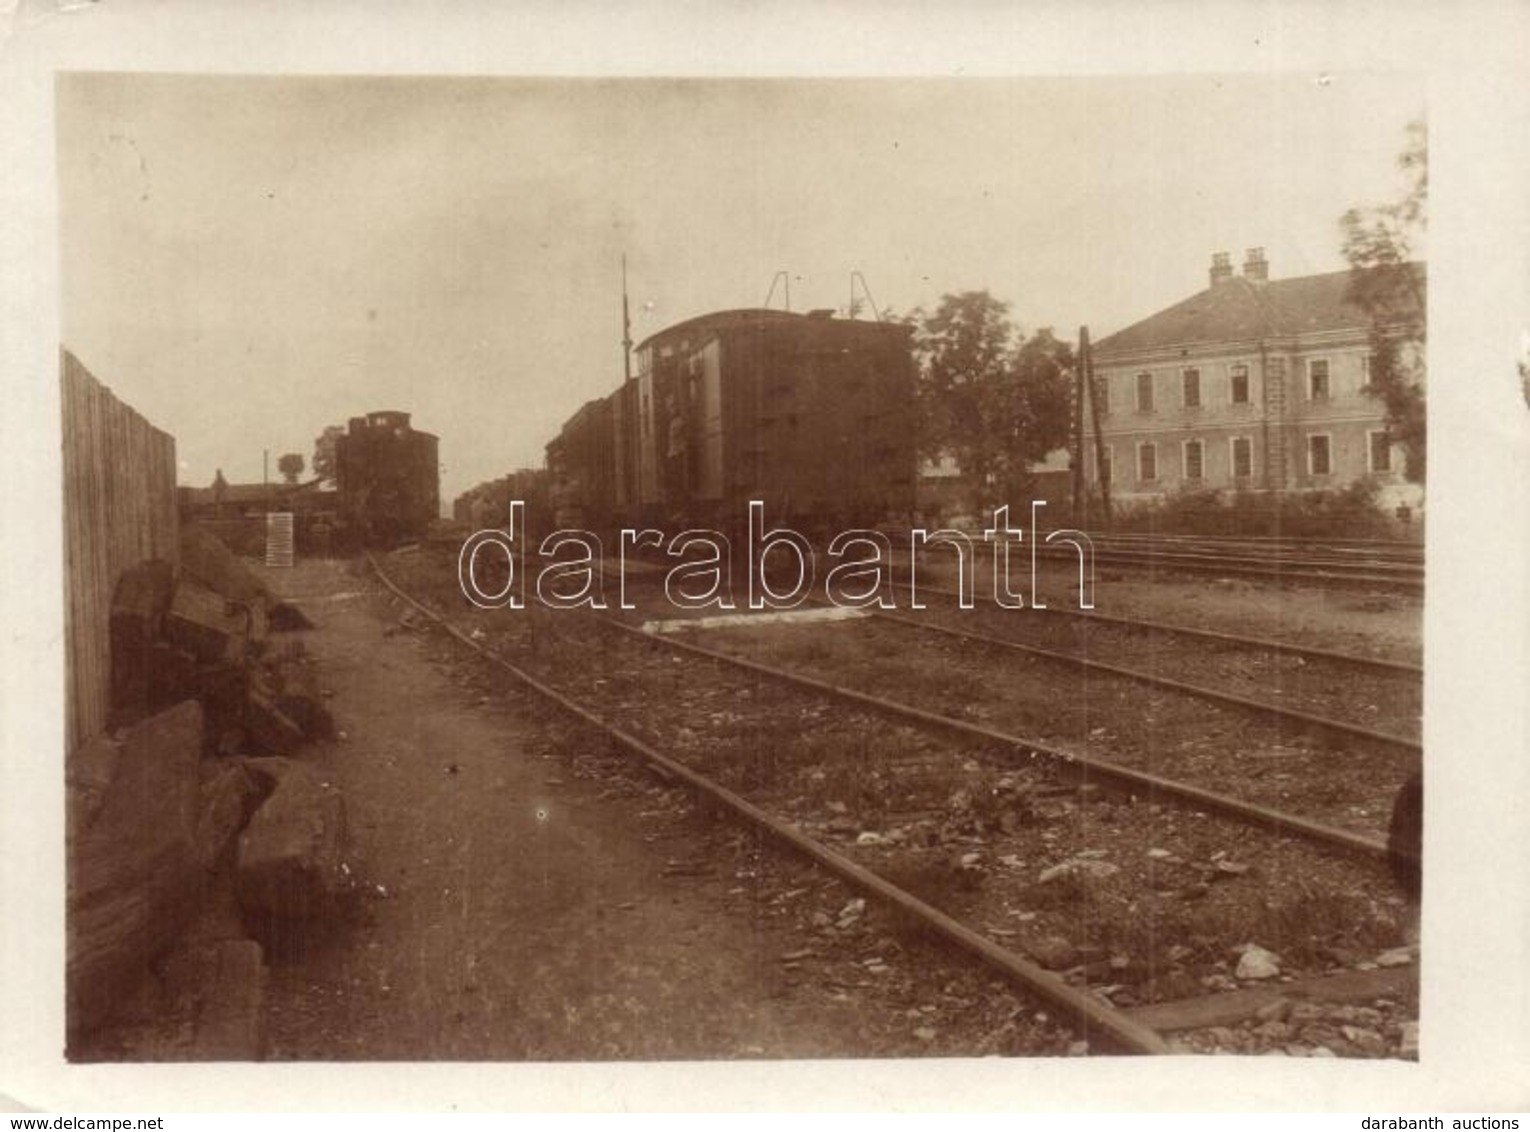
(626, 326)
(1086, 364)
(1080, 503)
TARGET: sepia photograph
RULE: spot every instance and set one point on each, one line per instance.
(548, 566)
(653, 569)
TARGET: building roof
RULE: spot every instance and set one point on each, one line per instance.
(1239, 309)
(238, 494)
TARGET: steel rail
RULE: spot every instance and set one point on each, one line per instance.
(1235, 555)
(1347, 574)
(1384, 550)
(1082, 767)
(1285, 648)
(1266, 644)
(1305, 719)
(1119, 1029)
(1317, 573)
(1406, 571)
(1401, 574)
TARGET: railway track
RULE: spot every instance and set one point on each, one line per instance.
(1406, 579)
(1267, 754)
(1380, 550)
(1339, 666)
(1212, 636)
(1114, 1027)
(1283, 565)
(1084, 767)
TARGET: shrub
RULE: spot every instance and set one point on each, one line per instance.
(1350, 512)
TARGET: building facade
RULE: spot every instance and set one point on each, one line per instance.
(1250, 385)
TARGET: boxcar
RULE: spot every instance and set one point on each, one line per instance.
(581, 469)
(811, 414)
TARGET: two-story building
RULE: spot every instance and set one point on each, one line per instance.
(1252, 384)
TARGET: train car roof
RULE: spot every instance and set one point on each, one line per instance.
(731, 319)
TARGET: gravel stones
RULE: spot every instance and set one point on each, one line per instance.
(1257, 963)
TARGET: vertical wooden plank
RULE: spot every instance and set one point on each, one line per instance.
(119, 509)
(69, 410)
(100, 517)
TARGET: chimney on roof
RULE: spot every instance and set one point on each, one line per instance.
(1221, 268)
(1254, 266)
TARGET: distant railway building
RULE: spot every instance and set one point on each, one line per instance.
(1251, 384)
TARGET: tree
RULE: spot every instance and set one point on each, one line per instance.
(290, 466)
(324, 453)
(1042, 412)
(1383, 245)
(995, 401)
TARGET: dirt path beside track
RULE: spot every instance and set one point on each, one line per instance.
(515, 910)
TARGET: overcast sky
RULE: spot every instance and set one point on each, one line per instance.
(247, 260)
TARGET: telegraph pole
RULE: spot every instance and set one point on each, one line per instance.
(1080, 503)
(1086, 363)
(626, 325)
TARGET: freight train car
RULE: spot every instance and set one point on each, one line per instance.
(388, 478)
(811, 414)
(581, 467)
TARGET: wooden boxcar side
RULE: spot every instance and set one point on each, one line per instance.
(819, 422)
(810, 414)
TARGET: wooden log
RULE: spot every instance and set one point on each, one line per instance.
(206, 624)
(216, 989)
(89, 772)
(205, 560)
(1232, 1007)
(269, 727)
(139, 604)
(134, 879)
(287, 617)
(291, 853)
(232, 1025)
(228, 797)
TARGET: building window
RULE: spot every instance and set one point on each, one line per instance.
(1319, 454)
(1365, 371)
(1101, 389)
(1144, 393)
(1379, 451)
(1192, 378)
(1240, 385)
(1317, 379)
(1195, 460)
(1147, 461)
(1242, 457)
(1104, 464)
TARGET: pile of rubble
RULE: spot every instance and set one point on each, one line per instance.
(197, 843)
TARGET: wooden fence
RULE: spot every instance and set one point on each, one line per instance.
(119, 509)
